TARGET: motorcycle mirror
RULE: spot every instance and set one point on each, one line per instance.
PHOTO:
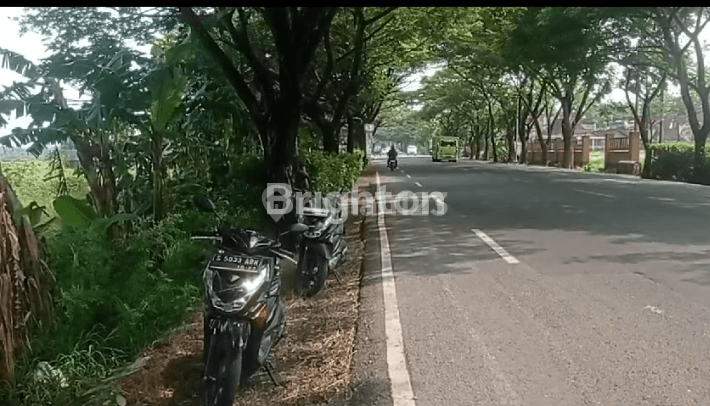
(298, 228)
(204, 204)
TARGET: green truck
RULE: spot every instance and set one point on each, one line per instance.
(444, 149)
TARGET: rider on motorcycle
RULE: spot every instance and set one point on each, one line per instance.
(392, 156)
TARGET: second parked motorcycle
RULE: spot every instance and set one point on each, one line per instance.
(322, 247)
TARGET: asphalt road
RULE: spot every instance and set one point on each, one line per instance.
(603, 298)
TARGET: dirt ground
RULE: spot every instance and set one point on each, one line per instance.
(314, 361)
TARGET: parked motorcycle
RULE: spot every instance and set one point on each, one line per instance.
(244, 314)
(321, 247)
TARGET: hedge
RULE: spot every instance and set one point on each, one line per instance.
(674, 161)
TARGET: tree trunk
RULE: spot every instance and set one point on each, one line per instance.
(282, 126)
(360, 135)
(567, 131)
(510, 138)
(487, 143)
(524, 150)
(157, 149)
(351, 134)
(700, 169)
(541, 140)
(493, 147)
(646, 142)
(646, 173)
(331, 140)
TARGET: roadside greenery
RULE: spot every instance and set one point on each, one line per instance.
(231, 98)
(673, 161)
(596, 162)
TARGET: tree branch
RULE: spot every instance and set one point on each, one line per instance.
(379, 16)
(329, 63)
(233, 75)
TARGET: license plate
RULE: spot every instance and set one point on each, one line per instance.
(234, 262)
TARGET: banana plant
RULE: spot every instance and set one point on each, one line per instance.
(169, 85)
(80, 213)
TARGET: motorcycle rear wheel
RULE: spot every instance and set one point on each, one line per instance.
(225, 367)
(312, 272)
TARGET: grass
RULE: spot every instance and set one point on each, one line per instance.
(596, 162)
(27, 179)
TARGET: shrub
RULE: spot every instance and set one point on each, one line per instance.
(127, 296)
(331, 173)
(673, 161)
(595, 163)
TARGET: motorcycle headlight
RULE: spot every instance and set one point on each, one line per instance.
(229, 291)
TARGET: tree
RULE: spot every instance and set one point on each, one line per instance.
(681, 28)
(570, 47)
(604, 113)
(344, 72)
(532, 98)
(645, 83)
(268, 80)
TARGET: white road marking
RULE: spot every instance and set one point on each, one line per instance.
(401, 385)
(409, 176)
(418, 184)
(663, 199)
(594, 193)
(654, 309)
(497, 248)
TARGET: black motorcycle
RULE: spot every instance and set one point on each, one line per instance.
(392, 163)
(321, 247)
(244, 313)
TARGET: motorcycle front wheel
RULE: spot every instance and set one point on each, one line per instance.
(313, 270)
(223, 369)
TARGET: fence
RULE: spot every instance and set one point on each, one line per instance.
(619, 152)
(556, 151)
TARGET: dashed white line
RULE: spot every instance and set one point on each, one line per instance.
(409, 176)
(654, 309)
(497, 248)
(401, 385)
(594, 193)
(418, 184)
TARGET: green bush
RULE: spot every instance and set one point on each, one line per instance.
(130, 294)
(110, 302)
(331, 173)
(673, 160)
(595, 163)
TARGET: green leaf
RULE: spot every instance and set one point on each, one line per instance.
(102, 224)
(166, 97)
(74, 211)
(34, 212)
(41, 227)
